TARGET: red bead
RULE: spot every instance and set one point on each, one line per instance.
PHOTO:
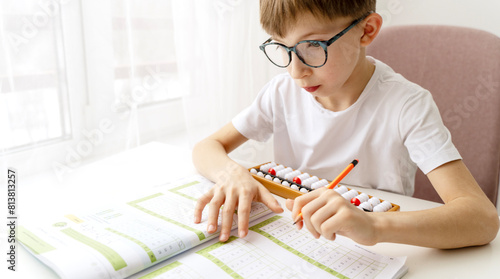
(355, 201)
(297, 180)
(272, 171)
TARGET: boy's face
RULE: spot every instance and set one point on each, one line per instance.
(343, 55)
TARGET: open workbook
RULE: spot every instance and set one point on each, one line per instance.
(154, 236)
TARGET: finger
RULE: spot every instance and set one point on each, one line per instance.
(329, 214)
(322, 215)
(267, 198)
(213, 211)
(299, 224)
(329, 228)
(244, 208)
(289, 204)
(309, 210)
(227, 217)
(200, 205)
(301, 201)
(297, 221)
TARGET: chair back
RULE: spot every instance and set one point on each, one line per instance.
(461, 68)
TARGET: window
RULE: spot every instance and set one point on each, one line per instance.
(34, 106)
(69, 68)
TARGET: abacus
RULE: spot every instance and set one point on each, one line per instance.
(289, 183)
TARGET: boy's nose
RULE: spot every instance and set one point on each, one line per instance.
(297, 69)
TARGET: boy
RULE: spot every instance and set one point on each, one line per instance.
(334, 105)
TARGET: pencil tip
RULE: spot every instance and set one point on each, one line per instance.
(355, 162)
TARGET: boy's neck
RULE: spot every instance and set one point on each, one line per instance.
(352, 89)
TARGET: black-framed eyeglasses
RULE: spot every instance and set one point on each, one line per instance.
(311, 52)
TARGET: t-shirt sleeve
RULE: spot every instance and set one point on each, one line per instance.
(255, 122)
(424, 134)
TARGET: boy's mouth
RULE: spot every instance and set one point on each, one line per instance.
(311, 89)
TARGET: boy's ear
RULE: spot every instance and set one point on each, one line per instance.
(372, 26)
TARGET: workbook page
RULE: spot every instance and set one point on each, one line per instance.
(119, 240)
(276, 249)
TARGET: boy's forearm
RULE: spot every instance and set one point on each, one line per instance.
(211, 160)
(457, 224)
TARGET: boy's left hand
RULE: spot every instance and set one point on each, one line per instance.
(327, 213)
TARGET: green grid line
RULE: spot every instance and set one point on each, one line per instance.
(206, 253)
(176, 190)
(266, 222)
(33, 242)
(134, 204)
(146, 198)
(162, 270)
(148, 250)
(111, 255)
(257, 229)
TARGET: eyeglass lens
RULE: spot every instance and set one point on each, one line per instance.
(311, 53)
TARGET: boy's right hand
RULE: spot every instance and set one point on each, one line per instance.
(236, 191)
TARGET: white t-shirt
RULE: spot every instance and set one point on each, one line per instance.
(392, 128)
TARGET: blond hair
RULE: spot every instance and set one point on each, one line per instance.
(277, 16)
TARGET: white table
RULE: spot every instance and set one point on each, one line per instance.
(128, 173)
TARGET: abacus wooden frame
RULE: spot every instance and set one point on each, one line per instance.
(289, 193)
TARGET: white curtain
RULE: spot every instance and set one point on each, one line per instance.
(84, 79)
(219, 60)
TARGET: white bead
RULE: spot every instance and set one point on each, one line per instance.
(366, 206)
(285, 183)
(295, 187)
(254, 171)
(308, 182)
(282, 173)
(316, 185)
(341, 189)
(260, 174)
(277, 180)
(303, 177)
(304, 190)
(374, 201)
(267, 166)
(291, 175)
(324, 182)
(268, 177)
(363, 197)
(278, 168)
(349, 195)
(387, 205)
(384, 206)
(271, 165)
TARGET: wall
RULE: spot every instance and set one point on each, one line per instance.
(480, 14)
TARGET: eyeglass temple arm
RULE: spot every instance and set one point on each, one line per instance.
(341, 33)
